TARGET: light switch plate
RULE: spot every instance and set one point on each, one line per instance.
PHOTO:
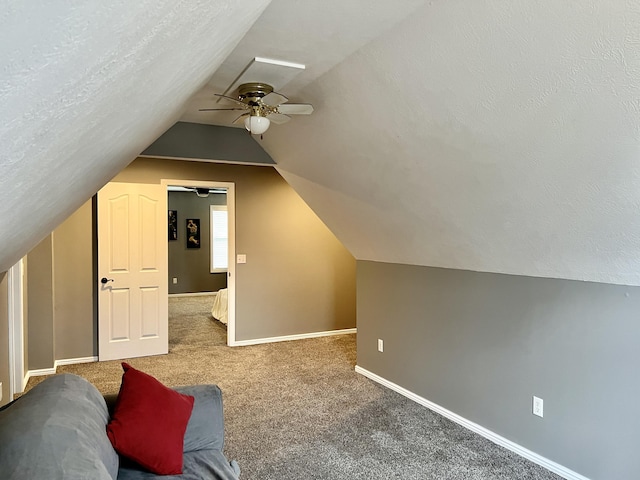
(242, 258)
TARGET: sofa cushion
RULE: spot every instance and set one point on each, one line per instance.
(205, 429)
(149, 422)
(198, 465)
(57, 431)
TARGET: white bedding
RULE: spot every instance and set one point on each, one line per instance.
(219, 310)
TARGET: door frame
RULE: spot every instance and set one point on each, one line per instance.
(231, 270)
(15, 287)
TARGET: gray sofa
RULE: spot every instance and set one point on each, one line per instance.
(57, 430)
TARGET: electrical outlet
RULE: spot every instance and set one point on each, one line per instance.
(380, 345)
(538, 406)
(175, 280)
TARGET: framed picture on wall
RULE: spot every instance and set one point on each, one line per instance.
(193, 233)
(173, 224)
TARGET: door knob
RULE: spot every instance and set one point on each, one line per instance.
(105, 280)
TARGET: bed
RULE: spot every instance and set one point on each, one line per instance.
(219, 309)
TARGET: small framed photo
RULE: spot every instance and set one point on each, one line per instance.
(173, 224)
(193, 233)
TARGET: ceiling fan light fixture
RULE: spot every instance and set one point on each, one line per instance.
(256, 125)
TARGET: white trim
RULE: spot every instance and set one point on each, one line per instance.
(25, 380)
(40, 372)
(16, 328)
(11, 333)
(474, 427)
(74, 361)
(286, 338)
(208, 160)
(231, 270)
(52, 371)
(194, 294)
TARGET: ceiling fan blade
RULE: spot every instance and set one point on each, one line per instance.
(231, 99)
(278, 118)
(217, 109)
(274, 99)
(243, 115)
(296, 109)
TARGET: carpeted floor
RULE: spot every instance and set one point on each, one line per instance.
(297, 410)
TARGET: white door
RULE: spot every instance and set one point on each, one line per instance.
(132, 271)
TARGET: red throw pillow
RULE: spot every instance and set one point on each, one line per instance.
(149, 421)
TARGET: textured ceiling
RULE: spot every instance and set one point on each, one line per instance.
(316, 33)
(86, 86)
(481, 135)
(472, 134)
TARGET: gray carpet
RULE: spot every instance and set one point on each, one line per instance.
(297, 410)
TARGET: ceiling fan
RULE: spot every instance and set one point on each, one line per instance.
(262, 106)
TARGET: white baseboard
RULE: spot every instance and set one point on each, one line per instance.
(74, 361)
(51, 371)
(286, 338)
(195, 294)
(40, 372)
(35, 373)
(25, 380)
(474, 427)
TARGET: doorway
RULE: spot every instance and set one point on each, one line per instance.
(180, 234)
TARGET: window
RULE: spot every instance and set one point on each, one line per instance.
(219, 238)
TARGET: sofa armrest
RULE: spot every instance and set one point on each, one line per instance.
(57, 430)
(205, 430)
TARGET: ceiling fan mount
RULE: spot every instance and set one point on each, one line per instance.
(262, 105)
(254, 91)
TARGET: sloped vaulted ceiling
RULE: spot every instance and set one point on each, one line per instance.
(482, 135)
(499, 136)
(86, 86)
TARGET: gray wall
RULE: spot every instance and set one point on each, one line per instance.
(4, 339)
(208, 142)
(60, 318)
(481, 345)
(40, 306)
(192, 266)
(298, 278)
(74, 284)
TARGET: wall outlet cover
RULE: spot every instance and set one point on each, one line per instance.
(538, 406)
